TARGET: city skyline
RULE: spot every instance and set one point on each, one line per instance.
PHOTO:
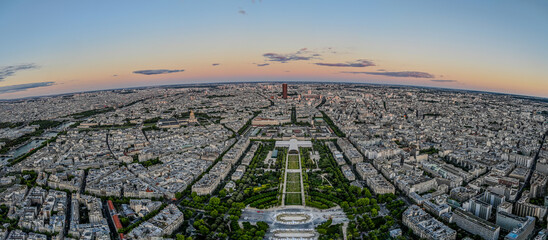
(61, 47)
(278, 120)
(274, 161)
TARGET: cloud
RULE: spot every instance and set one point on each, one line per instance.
(411, 74)
(23, 87)
(242, 12)
(302, 55)
(263, 64)
(215, 64)
(443, 81)
(308, 52)
(284, 57)
(358, 63)
(11, 70)
(330, 49)
(157, 71)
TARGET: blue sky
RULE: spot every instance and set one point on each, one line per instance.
(87, 45)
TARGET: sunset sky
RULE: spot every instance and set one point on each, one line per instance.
(52, 47)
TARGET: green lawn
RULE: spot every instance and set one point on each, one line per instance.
(293, 182)
(293, 199)
(293, 162)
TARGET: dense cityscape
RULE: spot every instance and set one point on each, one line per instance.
(274, 161)
(273, 120)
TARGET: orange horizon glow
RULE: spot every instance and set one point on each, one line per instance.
(81, 46)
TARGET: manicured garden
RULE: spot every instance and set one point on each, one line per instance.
(293, 199)
(293, 182)
(293, 162)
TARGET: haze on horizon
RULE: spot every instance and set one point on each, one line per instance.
(61, 46)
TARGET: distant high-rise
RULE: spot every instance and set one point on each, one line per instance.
(284, 92)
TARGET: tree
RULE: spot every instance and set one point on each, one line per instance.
(214, 201)
(198, 223)
(222, 193)
(363, 201)
(262, 226)
(260, 233)
(366, 193)
(124, 221)
(368, 222)
(214, 213)
(374, 212)
(203, 230)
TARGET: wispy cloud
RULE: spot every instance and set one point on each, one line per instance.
(358, 63)
(302, 55)
(242, 12)
(215, 64)
(157, 71)
(284, 57)
(11, 70)
(263, 64)
(411, 74)
(443, 81)
(23, 87)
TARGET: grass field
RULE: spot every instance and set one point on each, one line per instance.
(293, 199)
(293, 162)
(293, 182)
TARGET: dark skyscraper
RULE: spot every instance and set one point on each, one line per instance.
(284, 93)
